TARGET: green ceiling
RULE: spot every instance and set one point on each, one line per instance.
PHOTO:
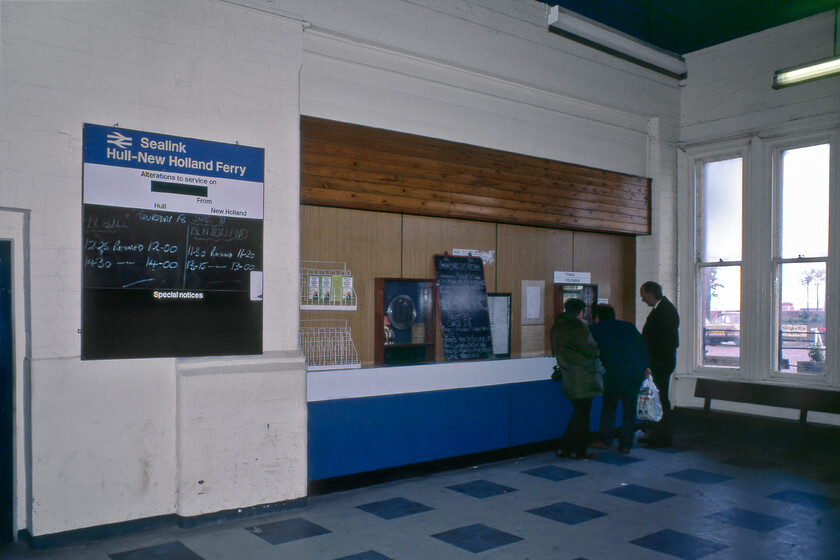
(683, 26)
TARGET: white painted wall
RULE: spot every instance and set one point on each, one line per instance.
(120, 440)
(728, 103)
(110, 441)
(431, 67)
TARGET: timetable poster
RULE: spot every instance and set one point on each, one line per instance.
(172, 246)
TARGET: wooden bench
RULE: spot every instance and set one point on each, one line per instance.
(802, 398)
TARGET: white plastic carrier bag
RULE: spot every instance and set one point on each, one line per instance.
(648, 407)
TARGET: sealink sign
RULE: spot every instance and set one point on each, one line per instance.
(143, 150)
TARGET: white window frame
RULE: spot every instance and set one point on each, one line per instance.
(760, 238)
(775, 149)
(693, 165)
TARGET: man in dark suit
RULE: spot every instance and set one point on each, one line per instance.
(661, 335)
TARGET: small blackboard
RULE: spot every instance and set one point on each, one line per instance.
(464, 315)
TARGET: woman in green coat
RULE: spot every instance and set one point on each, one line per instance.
(577, 357)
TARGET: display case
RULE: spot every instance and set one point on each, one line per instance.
(404, 321)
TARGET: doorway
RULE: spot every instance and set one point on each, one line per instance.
(6, 392)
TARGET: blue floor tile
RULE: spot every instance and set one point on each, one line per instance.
(617, 459)
(553, 472)
(477, 538)
(669, 450)
(287, 531)
(394, 508)
(679, 544)
(748, 463)
(369, 555)
(567, 513)
(639, 494)
(168, 551)
(752, 520)
(482, 489)
(806, 499)
(700, 477)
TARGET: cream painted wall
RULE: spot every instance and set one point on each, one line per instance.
(420, 68)
(728, 104)
(132, 439)
(110, 441)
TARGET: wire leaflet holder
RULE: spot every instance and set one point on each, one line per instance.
(326, 285)
(327, 344)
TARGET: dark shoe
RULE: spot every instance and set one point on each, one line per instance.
(599, 445)
(560, 454)
(624, 450)
(643, 439)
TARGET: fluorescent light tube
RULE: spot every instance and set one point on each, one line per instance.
(806, 72)
(590, 32)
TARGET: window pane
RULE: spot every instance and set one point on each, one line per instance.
(802, 318)
(805, 202)
(721, 210)
(720, 313)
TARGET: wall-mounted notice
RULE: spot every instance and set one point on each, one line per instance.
(568, 277)
(172, 246)
(464, 315)
(499, 307)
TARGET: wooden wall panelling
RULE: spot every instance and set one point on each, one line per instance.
(369, 242)
(352, 166)
(611, 259)
(527, 253)
(424, 237)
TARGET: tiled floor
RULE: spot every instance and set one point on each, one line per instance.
(732, 488)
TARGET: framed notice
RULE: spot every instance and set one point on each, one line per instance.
(172, 246)
(499, 307)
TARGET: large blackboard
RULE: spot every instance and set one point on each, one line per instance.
(462, 300)
(159, 283)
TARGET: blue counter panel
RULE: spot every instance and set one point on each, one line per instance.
(539, 412)
(351, 436)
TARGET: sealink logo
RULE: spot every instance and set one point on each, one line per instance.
(120, 140)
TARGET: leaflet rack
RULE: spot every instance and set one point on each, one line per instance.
(326, 286)
(327, 345)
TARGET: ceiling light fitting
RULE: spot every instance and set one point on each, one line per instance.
(806, 72)
(589, 32)
(811, 71)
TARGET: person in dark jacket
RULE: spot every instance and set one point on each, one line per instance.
(661, 335)
(625, 359)
(577, 357)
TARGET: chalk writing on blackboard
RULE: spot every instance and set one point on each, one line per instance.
(464, 315)
(132, 248)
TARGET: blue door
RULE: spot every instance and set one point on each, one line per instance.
(6, 391)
